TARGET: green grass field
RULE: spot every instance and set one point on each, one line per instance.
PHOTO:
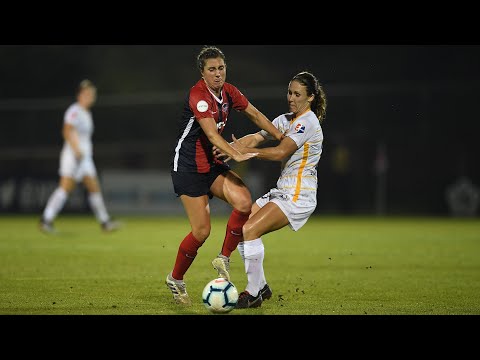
(332, 266)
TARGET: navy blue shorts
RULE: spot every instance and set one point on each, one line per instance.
(196, 184)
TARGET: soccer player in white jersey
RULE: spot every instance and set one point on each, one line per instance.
(294, 198)
(76, 162)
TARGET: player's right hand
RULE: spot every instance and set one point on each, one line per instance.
(242, 157)
(79, 157)
(220, 155)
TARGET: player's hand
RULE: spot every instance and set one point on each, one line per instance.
(242, 154)
(220, 155)
(242, 157)
(79, 157)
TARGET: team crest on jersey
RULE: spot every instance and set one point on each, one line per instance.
(300, 129)
(225, 107)
(202, 106)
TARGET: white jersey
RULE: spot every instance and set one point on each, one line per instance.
(81, 119)
(298, 179)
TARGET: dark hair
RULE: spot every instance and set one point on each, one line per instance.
(84, 84)
(319, 103)
(208, 52)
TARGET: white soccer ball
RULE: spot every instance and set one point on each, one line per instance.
(220, 296)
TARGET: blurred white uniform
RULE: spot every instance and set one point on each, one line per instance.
(81, 120)
(296, 191)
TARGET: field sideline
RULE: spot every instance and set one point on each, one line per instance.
(332, 266)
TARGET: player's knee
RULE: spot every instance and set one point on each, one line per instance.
(244, 205)
(68, 188)
(201, 234)
(248, 230)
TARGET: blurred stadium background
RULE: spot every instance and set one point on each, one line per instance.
(400, 134)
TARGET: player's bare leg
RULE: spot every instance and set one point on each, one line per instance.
(230, 188)
(198, 213)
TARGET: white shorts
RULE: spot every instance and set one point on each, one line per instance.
(297, 212)
(69, 166)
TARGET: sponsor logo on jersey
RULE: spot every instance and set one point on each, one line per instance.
(300, 129)
(73, 115)
(202, 106)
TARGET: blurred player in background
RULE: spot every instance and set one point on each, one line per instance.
(197, 175)
(76, 162)
(294, 198)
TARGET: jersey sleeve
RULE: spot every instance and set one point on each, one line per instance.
(71, 116)
(301, 130)
(266, 134)
(240, 101)
(200, 104)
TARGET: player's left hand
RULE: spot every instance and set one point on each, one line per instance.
(79, 157)
(220, 155)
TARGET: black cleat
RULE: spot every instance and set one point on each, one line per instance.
(110, 226)
(266, 292)
(245, 300)
(46, 226)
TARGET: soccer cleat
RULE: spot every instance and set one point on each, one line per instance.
(178, 289)
(110, 226)
(245, 300)
(46, 226)
(222, 264)
(266, 292)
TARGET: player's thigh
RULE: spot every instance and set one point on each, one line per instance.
(198, 213)
(87, 172)
(267, 219)
(255, 209)
(231, 188)
(91, 183)
(67, 183)
(68, 164)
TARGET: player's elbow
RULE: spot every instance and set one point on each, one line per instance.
(66, 133)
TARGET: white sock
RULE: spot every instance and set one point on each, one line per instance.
(263, 281)
(254, 253)
(98, 206)
(241, 250)
(55, 204)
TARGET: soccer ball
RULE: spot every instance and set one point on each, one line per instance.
(220, 296)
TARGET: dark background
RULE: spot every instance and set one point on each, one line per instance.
(416, 102)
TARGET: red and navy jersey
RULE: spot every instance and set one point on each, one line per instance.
(193, 150)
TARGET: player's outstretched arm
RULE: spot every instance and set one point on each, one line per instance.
(249, 140)
(283, 150)
(209, 127)
(259, 119)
